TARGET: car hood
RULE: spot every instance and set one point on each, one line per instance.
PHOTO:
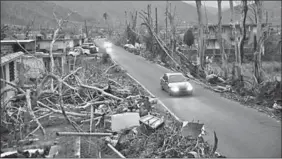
(180, 84)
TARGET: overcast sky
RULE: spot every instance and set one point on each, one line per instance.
(224, 4)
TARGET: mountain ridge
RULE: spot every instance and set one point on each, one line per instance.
(23, 12)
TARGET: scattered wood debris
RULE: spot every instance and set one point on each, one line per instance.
(99, 100)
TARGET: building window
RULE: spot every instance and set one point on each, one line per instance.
(3, 76)
(47, 64)
(12, 71)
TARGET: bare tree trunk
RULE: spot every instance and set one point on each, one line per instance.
(221, 45)
(243, 29)
(171, 17)
(240, 44)
(166, 14)
(201, 44)
(125, 14)
(86, 31)
(207, 20)
(60, 23)
(257, 54)
(149, 14)
(156, 9)
(52, 65)
(236, 49)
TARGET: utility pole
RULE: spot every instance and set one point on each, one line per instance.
(86, 31)
(149, 13)
(125, 13)
(166, 12)
(156, 20)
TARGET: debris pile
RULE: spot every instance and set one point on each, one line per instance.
(102, 103)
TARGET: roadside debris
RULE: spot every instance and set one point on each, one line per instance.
(119, 116)
(53, 151)
(124, 120)
(214, 79)
(192, 129)
(277, 105)
(152, 122)
(28, 153)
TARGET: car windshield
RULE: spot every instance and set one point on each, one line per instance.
(176, 78)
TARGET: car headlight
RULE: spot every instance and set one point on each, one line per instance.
(174, 89)
(189, 87)
(109, 50)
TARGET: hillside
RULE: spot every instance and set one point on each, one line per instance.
(116, 9)
(22, 12)
(212, 10)
(273, 8)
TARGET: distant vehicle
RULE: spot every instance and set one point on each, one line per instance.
(176, 84)
(91, 47)
(83, 51)
(74, 52)
(108, 45)
(128, 46)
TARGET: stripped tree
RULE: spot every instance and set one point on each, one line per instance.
(147, 21)
(221, 42)
(28, 27)
(60, 24)
(171, 17)
(243, 29)
(260, 38)
(201, 45)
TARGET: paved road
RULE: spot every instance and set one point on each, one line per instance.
(242, 131)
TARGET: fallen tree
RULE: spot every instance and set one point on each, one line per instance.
(95, 101)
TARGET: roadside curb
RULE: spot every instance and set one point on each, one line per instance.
(151, 94)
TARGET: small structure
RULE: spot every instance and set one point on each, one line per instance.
(9, 67)
(40, 63)
(12, 46)
(59, 45)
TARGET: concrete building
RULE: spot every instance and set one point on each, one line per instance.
(59, 45)
(12, 46)
(40, 63)
(9, 72)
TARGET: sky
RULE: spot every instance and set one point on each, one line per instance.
(224, 4)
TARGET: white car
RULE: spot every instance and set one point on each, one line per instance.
(128, 46)
(176, 84)
(75, 52)
(83, 51)
(91, 47)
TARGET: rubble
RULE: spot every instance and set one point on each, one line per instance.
(123, 119)
(151, 121)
